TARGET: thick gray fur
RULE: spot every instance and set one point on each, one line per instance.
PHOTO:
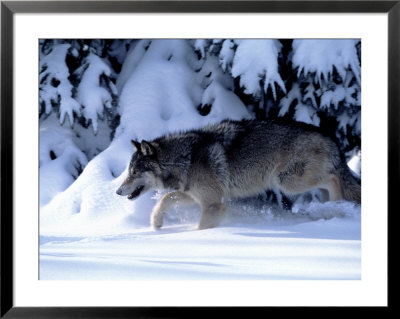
(237, 159)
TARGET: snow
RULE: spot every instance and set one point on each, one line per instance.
(338, 95)
(247, 246)
(304, 113)
(200, 45)
(160, 96)
(89, 232)
(355, 163)
(57, 174)
(90, 95)
(164, 90)
(54, 83)
(226, 55)
(322, 55)
(134, 55)
(256, 60)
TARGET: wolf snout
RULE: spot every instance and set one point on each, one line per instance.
(119, 191)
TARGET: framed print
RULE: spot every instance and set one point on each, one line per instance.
(224, 156)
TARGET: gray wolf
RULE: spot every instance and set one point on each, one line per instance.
(235, 159)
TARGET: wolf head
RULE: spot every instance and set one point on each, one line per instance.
(143, 170)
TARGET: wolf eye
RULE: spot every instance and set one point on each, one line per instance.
(134, 171)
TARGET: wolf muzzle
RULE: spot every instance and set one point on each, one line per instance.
(123, 191)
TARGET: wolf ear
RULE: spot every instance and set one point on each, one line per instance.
(136, 145)
(147, 148)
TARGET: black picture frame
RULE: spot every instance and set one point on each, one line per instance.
(9, 8)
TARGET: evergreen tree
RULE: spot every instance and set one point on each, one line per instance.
(80, 82)
(313, 81)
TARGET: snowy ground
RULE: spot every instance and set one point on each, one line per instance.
(89, 232)
(323, 243)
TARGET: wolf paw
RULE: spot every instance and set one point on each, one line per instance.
(206, 226)
(157, 226)
(212, 216)
(156, 221)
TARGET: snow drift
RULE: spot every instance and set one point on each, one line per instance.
(161, 95)
(89, 232)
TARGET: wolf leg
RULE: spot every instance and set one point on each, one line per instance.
(301, 176)
(167, 201)
(211, 215)
(324, 195)
(291, 183)
(332, 184)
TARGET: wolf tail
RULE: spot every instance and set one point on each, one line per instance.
(350, 184)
